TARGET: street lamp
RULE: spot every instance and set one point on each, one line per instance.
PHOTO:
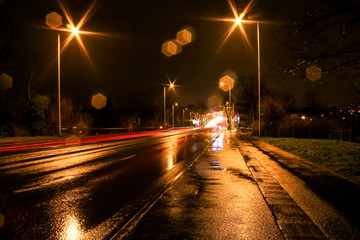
(237, 21)
(171, 86)
(173, 115)
(184, 116)
(54, 21)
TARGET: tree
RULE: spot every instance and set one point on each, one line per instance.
(38, 114)
(327, 36)
(248, 95)
(272, 113)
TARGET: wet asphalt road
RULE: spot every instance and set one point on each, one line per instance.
(89, 191)
(236, 191)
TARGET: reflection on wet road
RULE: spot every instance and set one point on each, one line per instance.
(89, 191)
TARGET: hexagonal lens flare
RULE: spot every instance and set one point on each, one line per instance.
(53, 20)
(6, 81)
(98, 101)
(171, 48)
(185, 36)
(226, 83)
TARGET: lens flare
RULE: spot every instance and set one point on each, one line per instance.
(313, 73)
(226, 83)
(98, 101)
(171, 48)
(6, 81)
(185, 36)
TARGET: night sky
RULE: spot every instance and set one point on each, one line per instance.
(127, 60)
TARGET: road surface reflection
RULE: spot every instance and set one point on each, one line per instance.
(89, 192)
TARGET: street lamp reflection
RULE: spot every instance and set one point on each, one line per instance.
(171, 154)
(72, 229)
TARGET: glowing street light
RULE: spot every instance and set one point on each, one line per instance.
(237, 22)
(54, 21)
(171, 86)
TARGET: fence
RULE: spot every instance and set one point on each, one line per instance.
(342, 134)
(317, 133)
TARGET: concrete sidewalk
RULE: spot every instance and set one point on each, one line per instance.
(236, 191)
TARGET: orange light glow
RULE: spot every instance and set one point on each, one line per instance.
(226, 83)
(171, 48)
(185, 36)
(171, 83)
(54, 20)
(98, 101)
(6, 81)
(237, 21)
(215, 121)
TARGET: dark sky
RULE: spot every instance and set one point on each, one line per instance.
(129, 60)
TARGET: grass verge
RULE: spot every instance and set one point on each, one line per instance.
(341, 157)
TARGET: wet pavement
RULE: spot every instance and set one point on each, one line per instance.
(88, 191)
(238, 190)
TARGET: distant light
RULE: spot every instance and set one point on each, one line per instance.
(196, 122)
(6, 81)
(215, 121)
(98, 101)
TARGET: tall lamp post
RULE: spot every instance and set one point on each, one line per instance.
(171, 86)
(173, 114)
(259, 73)
(237, 21)
(184, 116)
(54, 20)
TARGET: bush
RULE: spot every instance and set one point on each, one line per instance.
(7, 131)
